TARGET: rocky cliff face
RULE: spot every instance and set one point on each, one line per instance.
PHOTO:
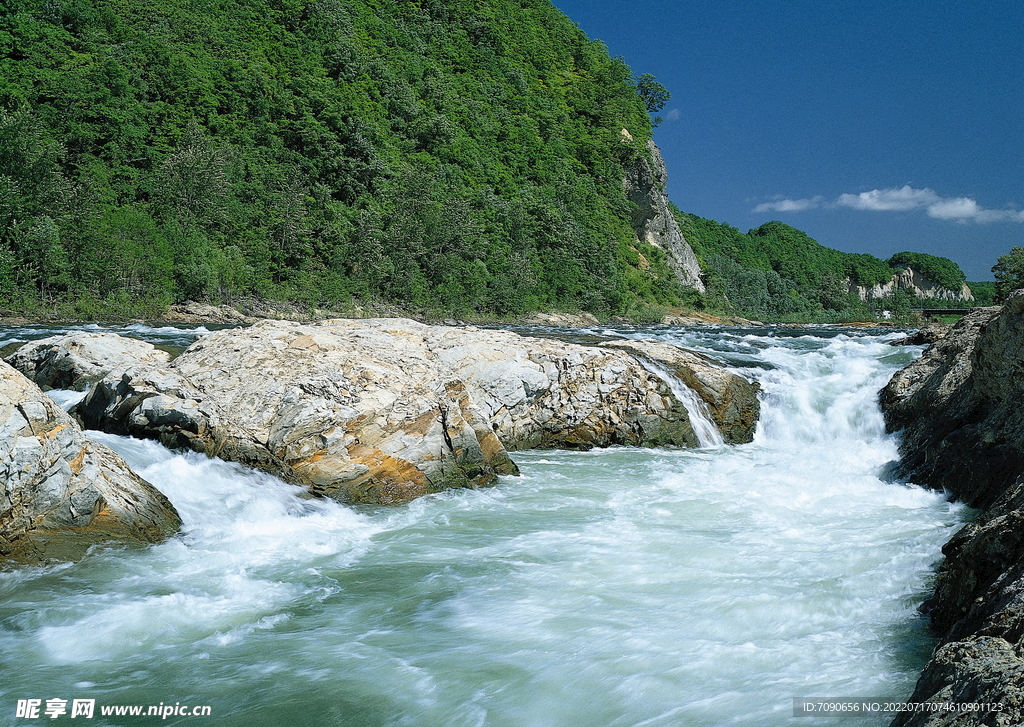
(909, 279)
(64, 493)
(653, 220)
(961, 410)
(959, 407)
(387, 410)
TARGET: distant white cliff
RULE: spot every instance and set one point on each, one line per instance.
(906, 278)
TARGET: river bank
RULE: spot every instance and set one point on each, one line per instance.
(251, 310)
(960, 412)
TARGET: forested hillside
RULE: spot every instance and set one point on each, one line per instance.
(457, 155)
(778, 272)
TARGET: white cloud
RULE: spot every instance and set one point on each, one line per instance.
(964, 209)
(903, 199)
(958, 208)
(889, 200)
(789, 205)
(674, 115)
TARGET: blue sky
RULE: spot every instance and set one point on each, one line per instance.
(875, 126)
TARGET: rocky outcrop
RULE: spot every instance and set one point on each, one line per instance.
(367, 417)
(960, 410)
(542, 393)
(192, 312)
(654, 222)
(562, 320)
(74, 360)
(976, 672)
(906, 278)
(64, 493)
(387, 410)
(923, 337)
(978, 609)
(731, 400)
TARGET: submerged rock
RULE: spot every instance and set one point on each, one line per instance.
(64, 493)
(386, 410)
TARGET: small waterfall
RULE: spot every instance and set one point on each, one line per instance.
(707, 433)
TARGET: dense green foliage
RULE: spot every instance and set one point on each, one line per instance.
(939, 270)
(463, 155)
(984, 292)
(784, 249)
(1009, 273)
(777, 272)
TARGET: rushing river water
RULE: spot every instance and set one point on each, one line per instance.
(600, 589)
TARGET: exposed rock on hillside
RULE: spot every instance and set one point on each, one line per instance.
(960, 410)
(906, 278)
(63, 492)
(387, 410)
(653, 220)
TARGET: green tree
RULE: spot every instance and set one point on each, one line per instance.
(1009, 273)
(984, 292)
(155, 150)
(833, 293)
(129, 254)
(940, 270)
(653, 93)
(193, 183)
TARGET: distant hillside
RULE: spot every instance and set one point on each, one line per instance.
(458, 155)
(778, 272)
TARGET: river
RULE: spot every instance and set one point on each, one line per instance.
(616, 587)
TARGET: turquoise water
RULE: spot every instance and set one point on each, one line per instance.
(603, 588)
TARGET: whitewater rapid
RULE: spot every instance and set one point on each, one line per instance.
(603, 588)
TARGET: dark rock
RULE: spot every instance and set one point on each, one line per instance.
(962, 677)
(961, 431)
(923, 337)
(960, 409)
